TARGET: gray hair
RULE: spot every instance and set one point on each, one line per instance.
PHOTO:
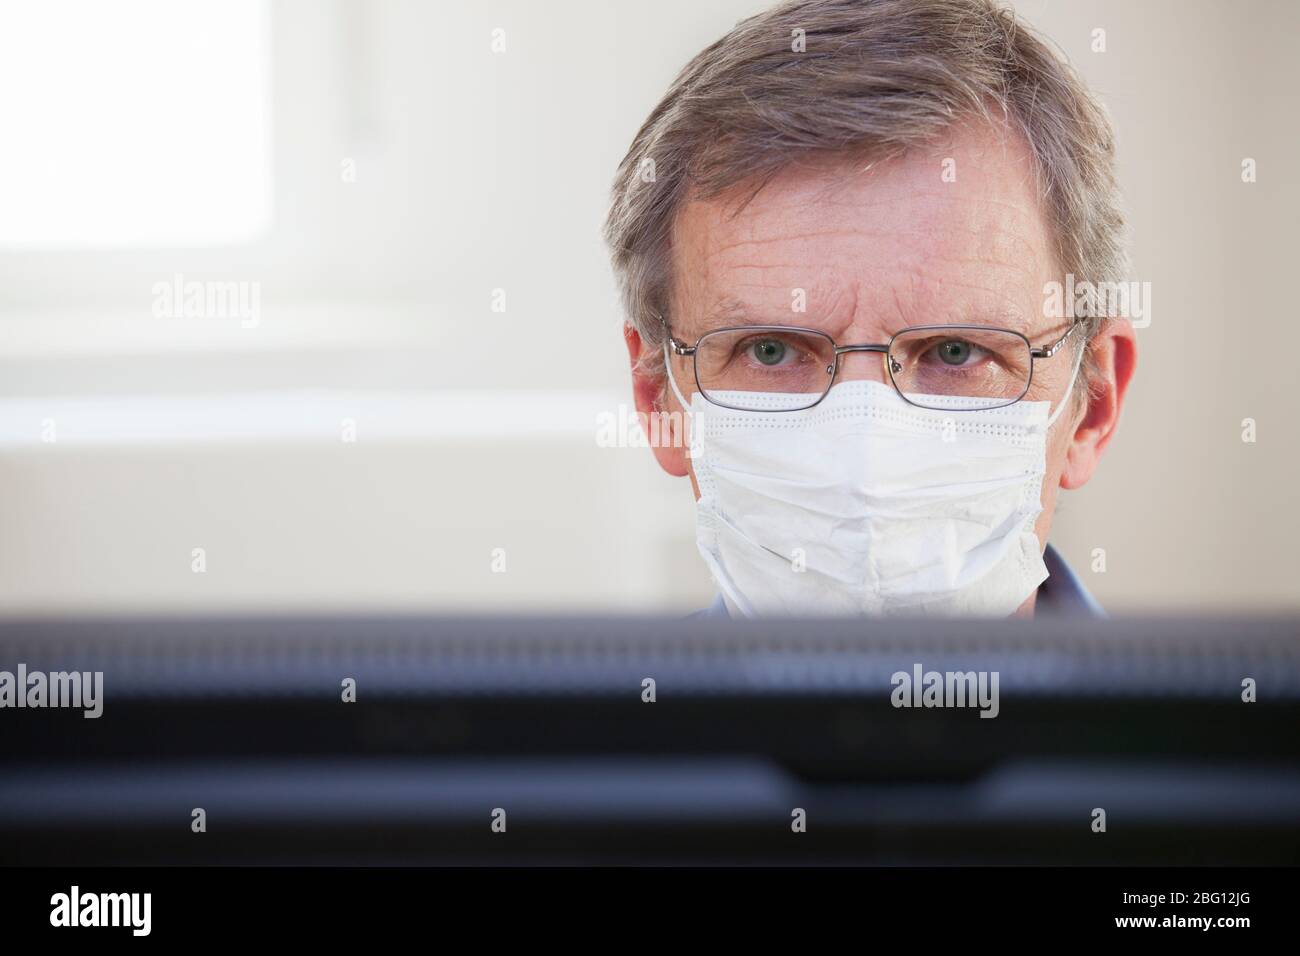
(877, 77)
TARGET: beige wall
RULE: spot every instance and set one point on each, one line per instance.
(1189, 515)
(476, 430)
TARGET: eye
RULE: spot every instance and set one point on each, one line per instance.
(768, 351)
(957, 352)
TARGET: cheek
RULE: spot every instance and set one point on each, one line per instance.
(1058, 450)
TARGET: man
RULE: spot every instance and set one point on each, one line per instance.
(841, 240)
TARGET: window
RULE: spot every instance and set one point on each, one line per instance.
(138, 123)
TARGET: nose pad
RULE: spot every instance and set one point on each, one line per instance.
(862, 366)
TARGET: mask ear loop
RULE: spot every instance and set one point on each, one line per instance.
(691, 448)
(1069, 391)
(672, 380)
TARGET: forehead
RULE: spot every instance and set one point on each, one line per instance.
(951, 233)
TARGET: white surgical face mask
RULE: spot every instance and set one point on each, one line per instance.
(867, 505)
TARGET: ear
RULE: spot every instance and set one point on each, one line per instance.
(1114, 351)
(653, 398)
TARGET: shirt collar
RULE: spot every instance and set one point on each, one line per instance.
(1063, 594)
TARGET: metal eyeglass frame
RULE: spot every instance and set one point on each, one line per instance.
(680, 348)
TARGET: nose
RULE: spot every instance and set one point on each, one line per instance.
(862, 363)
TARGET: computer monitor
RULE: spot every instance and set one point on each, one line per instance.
(651, 741)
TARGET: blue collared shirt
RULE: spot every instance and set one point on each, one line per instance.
(1061, 595)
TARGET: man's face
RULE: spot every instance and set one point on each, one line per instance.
(877, 248)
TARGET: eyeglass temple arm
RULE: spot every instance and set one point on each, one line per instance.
(1055, 347)
(677, 346)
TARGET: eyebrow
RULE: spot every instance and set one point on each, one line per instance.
(726, 311)
(730, 311)
(995, 318)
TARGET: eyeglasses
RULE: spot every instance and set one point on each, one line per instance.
(786, 369)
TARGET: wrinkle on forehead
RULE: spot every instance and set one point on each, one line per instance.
(890, 236)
